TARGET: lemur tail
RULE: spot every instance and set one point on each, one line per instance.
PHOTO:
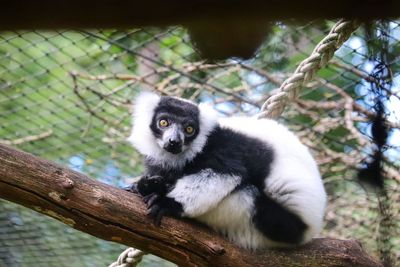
(276, 222)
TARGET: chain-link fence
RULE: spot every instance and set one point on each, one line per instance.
(66, 96)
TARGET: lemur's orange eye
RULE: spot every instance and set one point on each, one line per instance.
(189, 129)
(163, 123)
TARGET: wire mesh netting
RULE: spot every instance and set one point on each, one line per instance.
(66, 96)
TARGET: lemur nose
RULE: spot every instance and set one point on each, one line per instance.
(175, 142)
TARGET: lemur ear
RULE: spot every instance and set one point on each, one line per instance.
(143, 111)
(145, 103)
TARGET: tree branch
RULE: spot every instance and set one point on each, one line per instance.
(26, 139)
(113, 214)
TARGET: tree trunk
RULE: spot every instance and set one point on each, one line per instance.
(113, 214)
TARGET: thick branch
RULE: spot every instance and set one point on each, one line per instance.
(113, 214)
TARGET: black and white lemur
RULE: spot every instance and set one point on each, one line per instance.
(251, 180)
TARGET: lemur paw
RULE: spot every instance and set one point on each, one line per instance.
(151, 184)
(150, 199)
(132, 188)
(161, 206)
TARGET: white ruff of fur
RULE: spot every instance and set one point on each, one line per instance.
(144, 141)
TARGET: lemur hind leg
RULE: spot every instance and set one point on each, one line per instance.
(276, 222)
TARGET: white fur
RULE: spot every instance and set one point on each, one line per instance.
(206, 188)
(233, 218)
(144, 141)
(141, 136)
(293, 169)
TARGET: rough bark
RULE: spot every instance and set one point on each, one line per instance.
(113, 214)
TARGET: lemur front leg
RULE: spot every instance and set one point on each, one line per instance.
(152, 185)
(147, 185)
(200, 192)
(192, 195)
(153, 190)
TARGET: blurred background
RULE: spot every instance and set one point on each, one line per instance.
(67, 96)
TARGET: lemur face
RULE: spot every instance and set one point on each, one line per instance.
(175, 124)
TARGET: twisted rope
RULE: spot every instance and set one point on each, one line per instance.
(129, 258)
(304, 73)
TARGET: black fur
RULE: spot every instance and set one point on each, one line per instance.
(161, 205)
(276, 222)
(229, 152)
(154, 190)
(225, 152)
